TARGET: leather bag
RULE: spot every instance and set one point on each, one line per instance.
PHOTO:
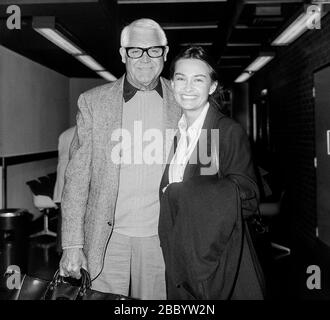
(60, 289)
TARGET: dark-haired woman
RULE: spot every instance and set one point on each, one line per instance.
(207, 190)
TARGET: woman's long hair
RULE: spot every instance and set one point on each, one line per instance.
(198, 53)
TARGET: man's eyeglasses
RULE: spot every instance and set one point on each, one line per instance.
(152, 52)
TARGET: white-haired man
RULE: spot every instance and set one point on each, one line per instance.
(110, 211)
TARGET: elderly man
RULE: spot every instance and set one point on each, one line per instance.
(110, 210)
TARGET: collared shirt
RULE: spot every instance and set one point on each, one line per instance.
(129, 90)
(187, 143)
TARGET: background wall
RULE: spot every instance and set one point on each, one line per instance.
(34, 105)
(289, 80)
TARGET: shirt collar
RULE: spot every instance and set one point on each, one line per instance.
(196, 125)
(129, 90)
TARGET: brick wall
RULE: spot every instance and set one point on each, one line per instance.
(289, 80)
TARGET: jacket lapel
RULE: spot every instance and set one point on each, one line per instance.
(203, 144)
(112, 102)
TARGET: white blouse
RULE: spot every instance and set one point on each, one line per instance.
(187, 143)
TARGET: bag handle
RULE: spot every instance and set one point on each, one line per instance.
(85, 284)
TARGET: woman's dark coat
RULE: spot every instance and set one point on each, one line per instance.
(207, 248)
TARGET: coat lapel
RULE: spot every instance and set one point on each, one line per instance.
(112, 101)
(203, 145)
(113, 104)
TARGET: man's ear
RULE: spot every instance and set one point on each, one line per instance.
(213, 87)
(122, 52)
(167, 49)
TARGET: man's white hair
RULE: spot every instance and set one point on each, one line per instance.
(145, 24)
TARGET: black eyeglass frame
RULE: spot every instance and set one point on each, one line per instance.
(145, 50)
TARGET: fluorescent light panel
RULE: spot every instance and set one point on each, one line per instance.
(49, 32)
(58, 39)
(243, 77)
(90, 62)
(258, 63)
(295, 29)
(107, 75)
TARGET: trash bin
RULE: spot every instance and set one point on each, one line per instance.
(14, 240)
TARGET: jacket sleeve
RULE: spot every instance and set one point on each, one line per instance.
(77, 178)
(236, 164)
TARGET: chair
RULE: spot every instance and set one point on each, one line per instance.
(44, 204)
(42, 190)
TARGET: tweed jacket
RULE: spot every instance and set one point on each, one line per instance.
(92, 177)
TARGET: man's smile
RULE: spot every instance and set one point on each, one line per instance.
(188, 97)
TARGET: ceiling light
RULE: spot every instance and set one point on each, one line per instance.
(260, 61)
(47, 27)
(256, 65)
(58, 39)
(90, 62)
(297, 27)
(244, 76)
(107, 75)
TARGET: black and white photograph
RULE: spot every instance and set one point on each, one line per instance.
(164, 155)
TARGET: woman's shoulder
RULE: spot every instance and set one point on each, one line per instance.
(222, 120)
(228, 127)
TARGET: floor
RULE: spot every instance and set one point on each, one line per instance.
(286, 276)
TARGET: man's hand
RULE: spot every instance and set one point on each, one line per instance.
(73, 259)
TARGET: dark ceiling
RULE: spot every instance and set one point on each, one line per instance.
(234, 31)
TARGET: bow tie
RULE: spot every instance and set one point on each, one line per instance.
(129, 90)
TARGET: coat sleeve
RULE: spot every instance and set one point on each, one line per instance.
(77, 178)
(236, 164)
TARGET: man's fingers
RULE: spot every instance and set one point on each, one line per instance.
(71, 263)
(62, 273)
(63, 268)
